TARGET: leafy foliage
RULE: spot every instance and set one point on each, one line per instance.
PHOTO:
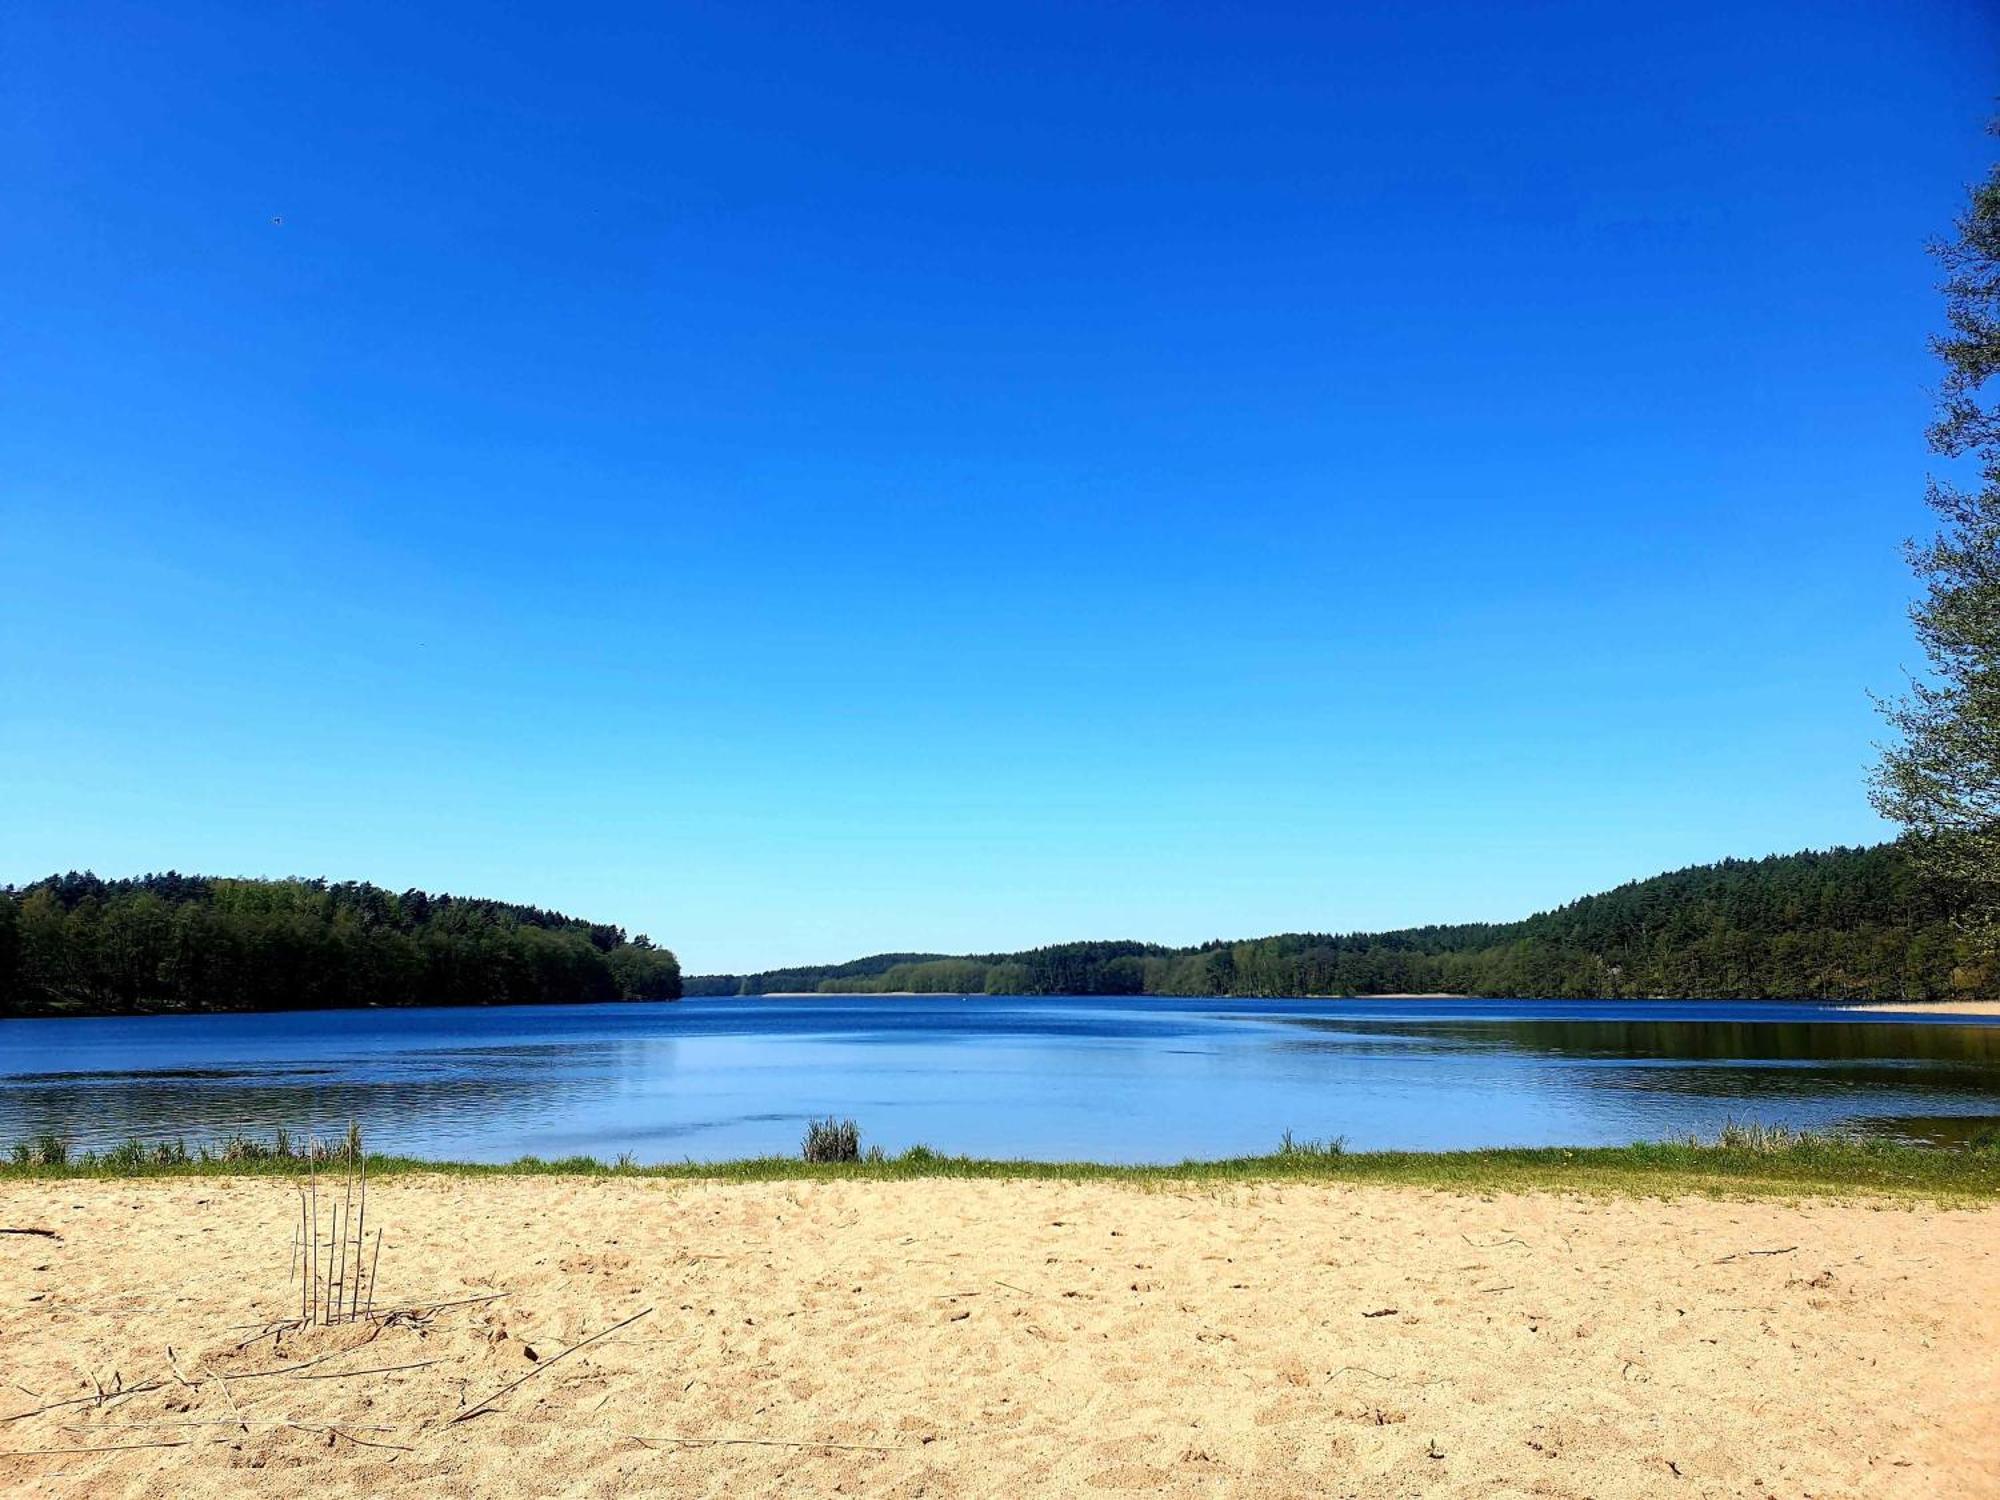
(75, 944)
(1941, 779)
(1846, 924)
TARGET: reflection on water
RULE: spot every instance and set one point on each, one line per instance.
(1722, 1039)
(1744, 1060)
(1117, 1080)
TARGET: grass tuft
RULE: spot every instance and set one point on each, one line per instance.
(1294, 1150)
(44, 1150)
(831, 1140)
(1751, 1135)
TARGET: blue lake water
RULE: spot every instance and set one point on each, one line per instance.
(1107, 1079)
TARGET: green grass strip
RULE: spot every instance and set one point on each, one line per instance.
(1776, 1164)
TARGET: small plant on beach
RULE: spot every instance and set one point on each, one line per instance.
(239, 1148)
(830, 1140)
(1765, 1140)
(46, 1149)
(1291, 1149)
(128, 1155)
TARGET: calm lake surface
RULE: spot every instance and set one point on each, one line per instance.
(1130, 1080)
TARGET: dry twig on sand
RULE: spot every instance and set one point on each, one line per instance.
(723, 1442)
(377, 1370)
(425, 1307)
(97, 1400)
(113, 1448)
(487, 1404)
(362, 1442)
(1741, 1254)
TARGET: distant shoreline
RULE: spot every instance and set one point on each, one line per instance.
(844, 995)
(1929, 1007)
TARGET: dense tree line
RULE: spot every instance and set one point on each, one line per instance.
(1846, 924)
(78, 945)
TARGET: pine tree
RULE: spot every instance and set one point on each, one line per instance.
(1941, 779)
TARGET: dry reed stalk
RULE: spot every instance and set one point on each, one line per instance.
(97, 1400)
(361, 1232)
(347, 1211)
(336, 1250)
(312, 1173)
(304, 1364)
(552, 1359)
(363, 1442)
(422, 1306)
(154, 1385)
(719, 1442)
(114, 1448)
(374, 1271)
(88, 1374)
(213, 1422)
(375, 1370)
(305, 1292)
(230, 1396)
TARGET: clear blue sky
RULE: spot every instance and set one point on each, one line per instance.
(804, 480)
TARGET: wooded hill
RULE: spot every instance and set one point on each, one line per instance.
(1843, 924)
(77, 945)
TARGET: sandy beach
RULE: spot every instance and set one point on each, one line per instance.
(944, 1338)
(1937, 1008)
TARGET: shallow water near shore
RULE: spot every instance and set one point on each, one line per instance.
(1110, 1079)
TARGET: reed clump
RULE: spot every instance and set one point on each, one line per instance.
(45, 1149)
(1294, 1150)
(1769, 1140)
(831, 1140)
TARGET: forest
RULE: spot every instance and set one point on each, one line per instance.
(79, 945)
(1840, 924)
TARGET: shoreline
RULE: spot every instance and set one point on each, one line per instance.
(983, 995)
(1928, 1008)
(1910, 1007)
(1757, 1163)
(977, 1338)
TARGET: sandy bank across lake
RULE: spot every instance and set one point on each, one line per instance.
(1934, 1008)
(1004, 1338)
(964, 995)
